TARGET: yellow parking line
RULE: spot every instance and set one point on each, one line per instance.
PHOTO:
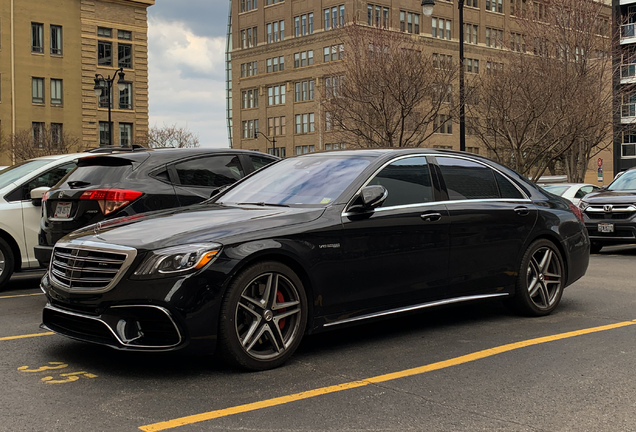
(20, 295)
(170, 424)
(6, 338)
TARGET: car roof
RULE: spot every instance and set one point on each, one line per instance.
(169, 154)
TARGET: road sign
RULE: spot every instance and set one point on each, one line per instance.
(600, 162)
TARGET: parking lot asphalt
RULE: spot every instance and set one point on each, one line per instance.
(475, 367)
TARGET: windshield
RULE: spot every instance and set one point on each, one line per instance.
(310, 180)
(15, 172)
(626, 181)
(557, 190)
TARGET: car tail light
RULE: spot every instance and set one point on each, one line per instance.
(577, 212)
(111, 200)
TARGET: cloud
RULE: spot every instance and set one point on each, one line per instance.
(187, 80)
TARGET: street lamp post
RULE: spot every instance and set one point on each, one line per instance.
(427, 9)
(273, 140)
(106, 84)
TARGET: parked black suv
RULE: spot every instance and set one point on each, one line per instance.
(109, 186)
(610, 215)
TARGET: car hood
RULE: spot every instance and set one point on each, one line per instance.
(196, 224)
(611, 197)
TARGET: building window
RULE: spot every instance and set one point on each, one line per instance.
(125, 96)
(124, 34)
(248, 5)
(104, 98)
(56, 91)
(275, 64)
(37, 132)
(305, 149)
(57, 134)
(304, 24)
(443, 93)
(442, 61)
(332, 86)
(124, 55)
(249, 37)
(470, 33)
(271, 2)
(249, 98)
(104, 32)
(249, 69)
(250, 128)
(304, 123)
(494, 67)
(104, 53)
(441, 28)
(335, 146)
(334, 17)
(517, 43)
(56, 40)
(494, 5)
(474, 150)
(472, 65)
(304, 58)
(304, 91)
(125, 134)
(278, 152)
(378, 16)
(275, 31)
(443, 124)
(37, 37)
(333, 53)
(104, 134)
(409, 22)
(472, 3)
(37, 86)
(628, 146)
(276, 95)
(276, 126)
(494, 38)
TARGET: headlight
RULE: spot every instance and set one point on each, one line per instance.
(177, 260)
(582, 205)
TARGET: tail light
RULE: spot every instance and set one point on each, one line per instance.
(111, 200)
(577, 212)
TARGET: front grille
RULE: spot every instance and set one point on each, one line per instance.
(86, 267)
(610, 212)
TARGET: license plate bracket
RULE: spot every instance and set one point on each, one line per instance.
(62, 210)
(606, 228)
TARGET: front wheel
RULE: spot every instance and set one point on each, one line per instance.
(7, 262)
(540, 281)
(263, 317)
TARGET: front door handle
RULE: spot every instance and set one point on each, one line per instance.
(431, 217)
(522, 211)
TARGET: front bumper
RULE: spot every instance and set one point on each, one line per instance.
(623, 233)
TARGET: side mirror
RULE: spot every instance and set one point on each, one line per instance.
(37, 194)
(370, 197)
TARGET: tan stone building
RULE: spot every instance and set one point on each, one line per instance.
(50, 53)
(281, 51)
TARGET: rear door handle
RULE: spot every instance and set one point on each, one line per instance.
(522, 211)
(431, 217)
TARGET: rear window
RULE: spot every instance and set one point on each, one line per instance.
(98, 175)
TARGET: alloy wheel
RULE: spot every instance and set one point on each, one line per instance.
(544, 278)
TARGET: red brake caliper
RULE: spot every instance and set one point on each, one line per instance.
(280, 299)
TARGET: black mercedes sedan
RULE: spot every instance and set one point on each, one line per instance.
(312, 243)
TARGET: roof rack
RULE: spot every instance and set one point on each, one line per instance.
(116, 149)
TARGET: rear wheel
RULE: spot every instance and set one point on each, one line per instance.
(7, 263)
(263, 317)
(540, 281)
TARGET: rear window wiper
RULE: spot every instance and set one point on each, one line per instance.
(77, 184)
(262, 204)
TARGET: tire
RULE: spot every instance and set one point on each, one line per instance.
(595, 247)
(540, 281)
(263, 317)
(7, 263)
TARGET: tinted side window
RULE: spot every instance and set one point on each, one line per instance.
(212, 171)
(468, 180)
(584, 191)
(408, 181)
(259, 162)
(506, 188)
(48, 179)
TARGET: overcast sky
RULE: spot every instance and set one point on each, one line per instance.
(186, 44)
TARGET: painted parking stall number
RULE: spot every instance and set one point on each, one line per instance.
(61, 378)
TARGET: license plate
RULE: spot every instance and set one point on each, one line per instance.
(606, 228)
(62, 210)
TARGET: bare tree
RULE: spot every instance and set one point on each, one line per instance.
(171, 136)
(43, 141)
(385, 92)
(553, 105)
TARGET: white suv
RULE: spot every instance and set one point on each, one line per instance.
(20, 211)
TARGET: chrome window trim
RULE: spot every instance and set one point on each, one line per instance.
(131, 254)
(525, 200)
(414, 308)
(127, 346)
